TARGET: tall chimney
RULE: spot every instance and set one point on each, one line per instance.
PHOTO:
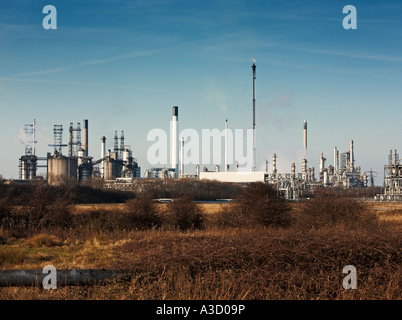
(174, 154)
(103, 154)
(85, 146)
(305, 137)
(253, 67)
(352, 160)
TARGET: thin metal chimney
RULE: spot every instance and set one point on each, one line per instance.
(352, 157)
(253, 67)
(175, 140)
(103, 154)
(305, 137)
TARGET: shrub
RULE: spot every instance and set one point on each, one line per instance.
(142, 212)
(43, 240)
(58, 214)
(259, 204)
(328, 209)
(185, 213)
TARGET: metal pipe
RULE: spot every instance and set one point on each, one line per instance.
(63, 276)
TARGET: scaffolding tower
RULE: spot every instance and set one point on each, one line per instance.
(393, 178)
(58, 138)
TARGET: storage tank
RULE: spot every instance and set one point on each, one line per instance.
(85, 172)
(61, 169)
(112, 169)
(28, 167)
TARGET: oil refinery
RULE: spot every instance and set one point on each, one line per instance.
(120, 170)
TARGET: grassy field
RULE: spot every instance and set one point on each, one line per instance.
(217, 263)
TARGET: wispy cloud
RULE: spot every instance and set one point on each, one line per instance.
(379, 57)
(89, 62)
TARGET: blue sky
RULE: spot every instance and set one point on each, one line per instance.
(124, 64)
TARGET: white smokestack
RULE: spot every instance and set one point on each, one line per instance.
(175, 141)
(336, 160)
(85, 146)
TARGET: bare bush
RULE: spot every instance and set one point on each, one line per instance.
(259, 204)
(142, 213)
(328, 209)
(185, 214)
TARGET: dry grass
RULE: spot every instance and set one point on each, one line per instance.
(214, 263)
(43, 240)
(260, 263)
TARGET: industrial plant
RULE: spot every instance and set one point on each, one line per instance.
(120, 170)
(77, 164)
